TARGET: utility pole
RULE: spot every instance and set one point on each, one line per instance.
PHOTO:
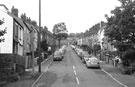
(53, 45)
(32, 51)
(39, 36)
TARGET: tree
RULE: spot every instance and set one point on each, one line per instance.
(120, 26)
(2, 32)
(60, 31)
(44, 45)
(96, 48)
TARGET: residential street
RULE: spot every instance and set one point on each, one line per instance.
(71, 72)
(56, 43)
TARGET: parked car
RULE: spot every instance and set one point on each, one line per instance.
(79, 53)
(93, 62)
(85, 56)
(57, 56)
(63, 50)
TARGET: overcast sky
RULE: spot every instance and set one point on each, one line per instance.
(78, 15)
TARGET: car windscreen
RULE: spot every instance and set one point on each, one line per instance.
(94, 60)
(57, 53)
(88, 56)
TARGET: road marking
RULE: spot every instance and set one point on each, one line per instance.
(75, 72)
(41, 74)
(114, 78)
(73, 67)
(77, 80)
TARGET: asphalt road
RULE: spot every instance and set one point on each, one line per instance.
(71, 72)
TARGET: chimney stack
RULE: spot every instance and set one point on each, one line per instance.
(34, 23)
(28, 19)
(14, 11)
(45, 28)
(23, 17)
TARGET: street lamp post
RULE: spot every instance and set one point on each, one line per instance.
(39, 36)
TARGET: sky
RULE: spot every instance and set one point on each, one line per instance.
(78, 15)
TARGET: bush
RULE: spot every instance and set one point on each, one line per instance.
(128, 62)
(128, 58)
(128, 70)
(13, 77)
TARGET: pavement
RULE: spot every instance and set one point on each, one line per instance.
(116, 74)
(27, 80)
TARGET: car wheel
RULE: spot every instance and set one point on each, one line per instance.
(54, 59)
(86, 65)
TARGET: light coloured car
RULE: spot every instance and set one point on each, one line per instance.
(79, 53)
(93, 62)
(85, 56)
(62, 50)
(57, 56)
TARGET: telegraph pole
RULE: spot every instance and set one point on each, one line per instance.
(32, 51)
(39, 36)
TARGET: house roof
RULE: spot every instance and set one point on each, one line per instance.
(4, 6)
(18, 20)
(27, 25)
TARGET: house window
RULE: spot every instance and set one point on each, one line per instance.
(16, 31)
(20, 33)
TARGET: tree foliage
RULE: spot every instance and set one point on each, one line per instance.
(60, 31)
(120, 29)
(121, 25)
(2, 32)
(44, 45)
(96, 47)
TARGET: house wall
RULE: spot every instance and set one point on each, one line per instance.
(7, 45)
(18, 40)
(102, 39)
(26, 40)
(35, 41)
(101, 36)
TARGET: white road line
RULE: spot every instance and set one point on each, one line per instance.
(41, 74)
(77, 80)
(114, 78)
(75, 72)
(73, 67)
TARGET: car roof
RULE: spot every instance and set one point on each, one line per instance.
(93, 58)
(85, 52)
(56, 52)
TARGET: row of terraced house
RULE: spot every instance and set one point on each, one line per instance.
(21, 38)
(97, 38)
